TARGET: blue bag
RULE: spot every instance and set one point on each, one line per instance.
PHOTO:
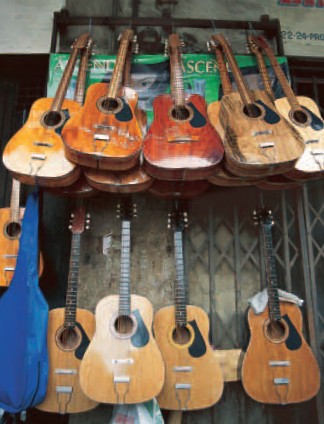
(23, 324)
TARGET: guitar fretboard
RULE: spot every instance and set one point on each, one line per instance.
(180, 287)
(15, 200)
(72, 286)
(124, 287)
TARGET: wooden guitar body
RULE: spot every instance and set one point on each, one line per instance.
(105, 134)
(178, 189)
(181, 145)
(259, 146)
(80, 188)
(131, 181)
(279, 367)
(193, 378)
(122, 367)
(9, 246)
(311, 163)
(64, 394)
(35, 154)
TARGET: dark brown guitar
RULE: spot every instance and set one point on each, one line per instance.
(278, 367)
(181, 144)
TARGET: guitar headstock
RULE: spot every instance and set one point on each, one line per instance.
(253, 45)
(178, 220)
(126, 209)
(263, 217)
(126, 36)
(174, 43)
(81, 42)
(259, 42)
(79, 221)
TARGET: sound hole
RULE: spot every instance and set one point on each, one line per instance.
(181, 113)
(252, 110)
(68, 338)
(181, 335)
(53, 119)
(300, 117)
(13, 230)
(276, 331)
(109, 104)
(124, 324)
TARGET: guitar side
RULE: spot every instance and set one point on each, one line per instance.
(35, 154)
(193, 378)
(118, 369)
(98, 139)
(279, 372)
(64, 366)
(181, 149)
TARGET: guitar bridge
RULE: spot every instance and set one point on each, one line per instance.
(42, 144)
(266, 145)
(101, 137)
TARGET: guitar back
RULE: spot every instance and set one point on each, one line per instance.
(258, 146)
(122, 368)
(311, 163)
(279, 372)
(193, 378)
(101, 139)
(181, 149)
(35, 154)
(64, 394)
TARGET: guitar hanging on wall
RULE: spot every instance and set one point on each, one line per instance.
(10, 222)
(106, 133)
(35, 154)
(193, 378)
(69, 332)
(278, 367)
(180, 144)
(123, 364)
(301, 112)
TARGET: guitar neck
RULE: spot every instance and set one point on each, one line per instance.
(271, 275)
(15, 201)
(177, 89)
(82, 74)
(124, 287)
(180, 287)
(72, 286)
(264, 73)
(223, 72)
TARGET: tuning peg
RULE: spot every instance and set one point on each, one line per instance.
(182, 43)
(208, 46)
(88, 215)
(134, 38)
(87, 221)
(70, 227)
(72, 215)
(87, 227)
(119, 37)
(169, 226)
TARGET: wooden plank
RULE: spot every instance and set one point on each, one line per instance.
(230, 361)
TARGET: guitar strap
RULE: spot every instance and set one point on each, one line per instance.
(23, 324)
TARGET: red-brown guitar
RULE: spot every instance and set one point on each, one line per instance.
(181, 144)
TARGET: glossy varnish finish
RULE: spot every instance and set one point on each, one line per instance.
(258, 376)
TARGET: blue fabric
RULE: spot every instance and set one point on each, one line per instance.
(23, 324)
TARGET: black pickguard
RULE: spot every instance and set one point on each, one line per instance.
(198, 120)
(125, 114)
(80, 351)
(317, 124)
(198, 347)
(271, 117)
(141, 337)
(293, 341)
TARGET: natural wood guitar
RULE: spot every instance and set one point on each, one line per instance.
(10, 222)
(35, 154)
(123, 364)
(193, 378)
(70, 330)
(180, 144)
(106, 133)
(279, 366)
(258, 141)
(301, 112)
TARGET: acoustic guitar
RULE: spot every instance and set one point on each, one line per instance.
(35, 154)
(70, 330)
(193, 378)
(258, 141)
(123, 364)
(180, 144)
(10, 222)
(301, 112)
(223, 177)
(106, 133)
(278, 367)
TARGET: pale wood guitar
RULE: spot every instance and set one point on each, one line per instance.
(10, 222)
(278, 367)
(70, 330)
(301, 112)
(123, 363)
(193, 378)
(258, 141)
(35, 154)
(106, 133)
